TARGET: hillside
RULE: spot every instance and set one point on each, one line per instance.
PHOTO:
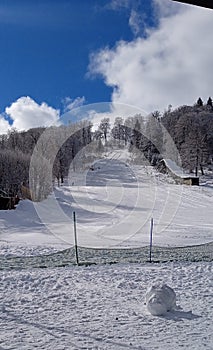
(114, 203)
(183, 134)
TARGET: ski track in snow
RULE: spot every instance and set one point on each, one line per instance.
(102, 307)
(113, 204)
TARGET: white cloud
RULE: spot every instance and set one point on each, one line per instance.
(136, 22)
(172, 65)
(4, 125)
(96, 112)
(70, 103)
(167, 8)
(26, 113)
(136, 17)
(118, 4)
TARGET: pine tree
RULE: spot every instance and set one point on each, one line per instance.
(209, 102)
(157, 114)
(200, 102)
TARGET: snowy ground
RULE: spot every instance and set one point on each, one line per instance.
(114, 204)
(102, 307)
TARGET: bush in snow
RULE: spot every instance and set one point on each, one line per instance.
(160, 299)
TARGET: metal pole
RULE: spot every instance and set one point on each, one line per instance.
(150, 244)
(197, 161)
(75, 239)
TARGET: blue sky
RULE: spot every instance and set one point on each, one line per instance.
(46, 44)
(58, 54)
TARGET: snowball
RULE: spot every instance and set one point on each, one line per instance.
(160, 299)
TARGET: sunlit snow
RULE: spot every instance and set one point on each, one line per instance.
(107, 307)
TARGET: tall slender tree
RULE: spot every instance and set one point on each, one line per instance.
(105, 127)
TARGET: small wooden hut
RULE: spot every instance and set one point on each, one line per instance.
(168, 166)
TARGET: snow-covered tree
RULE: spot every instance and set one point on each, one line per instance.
(118, 130)
(105, 127)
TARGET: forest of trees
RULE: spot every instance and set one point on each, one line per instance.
(31, 155)
(190, 128)
(54, 149)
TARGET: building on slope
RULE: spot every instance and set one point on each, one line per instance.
(168, 166)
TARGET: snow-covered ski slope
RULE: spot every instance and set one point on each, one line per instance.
(114, 201)
(114, 204)
(101, 307)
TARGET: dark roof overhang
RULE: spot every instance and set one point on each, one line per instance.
(202, 3)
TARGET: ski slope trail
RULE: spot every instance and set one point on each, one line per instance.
(102, 306)
(114, 202)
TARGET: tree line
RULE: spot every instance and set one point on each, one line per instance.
(188, 128)
(29, 155)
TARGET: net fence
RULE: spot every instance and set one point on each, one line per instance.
(89, 256)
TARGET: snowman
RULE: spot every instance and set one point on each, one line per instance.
(160, 299)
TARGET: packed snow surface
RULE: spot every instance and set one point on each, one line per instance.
(102, 307)
(114, 202)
